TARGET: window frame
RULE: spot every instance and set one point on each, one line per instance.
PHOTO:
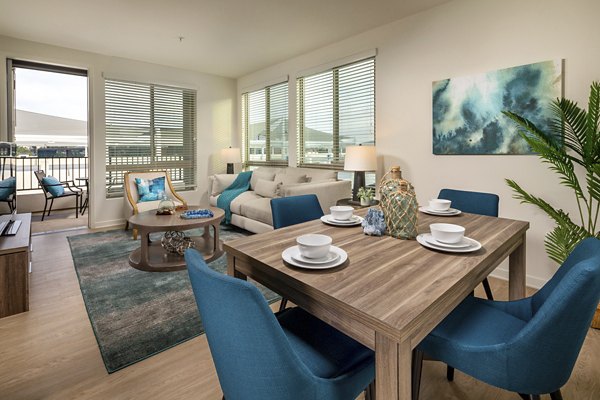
(246, 131)
(337, 162)
(176, 169)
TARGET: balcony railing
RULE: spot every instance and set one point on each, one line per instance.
(62, 168)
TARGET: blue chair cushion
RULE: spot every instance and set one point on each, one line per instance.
(8, 186)
(53, 186)
(150, 189)
(326, 352)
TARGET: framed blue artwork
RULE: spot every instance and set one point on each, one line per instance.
(467, 111)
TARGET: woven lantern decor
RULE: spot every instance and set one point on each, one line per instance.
(399, 204)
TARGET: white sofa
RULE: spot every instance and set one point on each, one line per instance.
(252, 209)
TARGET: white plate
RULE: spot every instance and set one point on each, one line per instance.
(328, 219)
(332, 256)
(291, 254)
(449, 212)
(475, 245)
(465, 242)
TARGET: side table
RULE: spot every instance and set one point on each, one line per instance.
(355, 204)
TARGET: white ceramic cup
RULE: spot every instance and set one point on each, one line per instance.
(314, 245)
(439, 204)
(447, 233)
(342, 213)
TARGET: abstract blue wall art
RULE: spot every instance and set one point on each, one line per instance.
(467, 111)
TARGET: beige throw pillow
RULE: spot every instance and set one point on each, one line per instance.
(266, 188)
(222, 182)
(261, 173)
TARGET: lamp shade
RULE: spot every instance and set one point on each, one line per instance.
(360, 158)
(231, 155)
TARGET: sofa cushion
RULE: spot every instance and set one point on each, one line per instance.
(266, 188)
(284, 178)
(53, 186)
(242, 199)
(222, 182)
(259, 210)
(265, 173)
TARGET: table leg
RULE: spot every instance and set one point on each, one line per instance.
(145, 243)
(393, 362)
(231, 268)
(516, 271)
(216, 232)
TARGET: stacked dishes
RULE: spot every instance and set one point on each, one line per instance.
(341, 216)
(439, 207)
(314, 251)
(449, 238)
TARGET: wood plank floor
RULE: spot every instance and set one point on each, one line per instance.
(50, 352)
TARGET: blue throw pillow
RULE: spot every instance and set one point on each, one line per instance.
(7, 187)
(150, 189)
(53, 186)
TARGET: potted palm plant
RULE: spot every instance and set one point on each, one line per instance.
(571, 148)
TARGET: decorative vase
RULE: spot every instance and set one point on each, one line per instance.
(166, 206)
(399, 204)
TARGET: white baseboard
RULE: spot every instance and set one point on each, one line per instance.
(531, 281)
(109, 223)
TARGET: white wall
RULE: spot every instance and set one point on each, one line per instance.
(457, 39)
(216, 121)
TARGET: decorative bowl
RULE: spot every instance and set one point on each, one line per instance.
(447, 233)
(341, 213)
(314, 245)
(439, 204)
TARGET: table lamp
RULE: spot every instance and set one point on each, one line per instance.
(231, 155)
(359, 159)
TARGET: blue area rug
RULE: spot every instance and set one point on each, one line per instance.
(137, 314)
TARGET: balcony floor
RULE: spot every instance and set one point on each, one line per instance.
(59, 220)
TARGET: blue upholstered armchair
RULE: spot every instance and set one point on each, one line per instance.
(527, 346)
(259, 355)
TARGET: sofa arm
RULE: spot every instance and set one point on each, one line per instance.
(328, 193)
(219, 182)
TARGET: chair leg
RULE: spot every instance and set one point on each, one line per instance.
(370, 391)
(283, 304)
(76, 206)
(135, 233)
(450, 373)
(127, 225)
(556, 395)
(488, 289)
(417, 368)
(535, 396)
(44, 212)
(525, 396)
(51, 204)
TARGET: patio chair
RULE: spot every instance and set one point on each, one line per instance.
(8, 192)
(54, 189)
(136, 202)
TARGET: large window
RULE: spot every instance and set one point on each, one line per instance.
(336, 108)
(149, 127)
(265, 125)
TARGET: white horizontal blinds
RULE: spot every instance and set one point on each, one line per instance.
(265, 124)
(336, 109)
(149, 127)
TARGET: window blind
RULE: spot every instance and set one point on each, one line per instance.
(265, 125)
(336, 109)
(149, 128)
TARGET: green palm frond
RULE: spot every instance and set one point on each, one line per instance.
(573, 138)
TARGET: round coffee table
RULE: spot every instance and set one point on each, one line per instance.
(152, 257)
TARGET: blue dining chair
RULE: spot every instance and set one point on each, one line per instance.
(474, 203)
(286, 356)
(528, 346)
(294, 210)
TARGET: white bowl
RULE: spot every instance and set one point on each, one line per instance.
(447, 233)
(439, 204)
(341, 213)
(314, 245)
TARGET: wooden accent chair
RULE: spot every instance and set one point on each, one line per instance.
(54, 189)
(133, 205)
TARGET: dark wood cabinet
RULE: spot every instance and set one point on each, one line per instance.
(14, 269)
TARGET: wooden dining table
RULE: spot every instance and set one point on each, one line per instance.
(390, 293)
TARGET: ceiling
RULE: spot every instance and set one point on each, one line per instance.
(223, 37)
